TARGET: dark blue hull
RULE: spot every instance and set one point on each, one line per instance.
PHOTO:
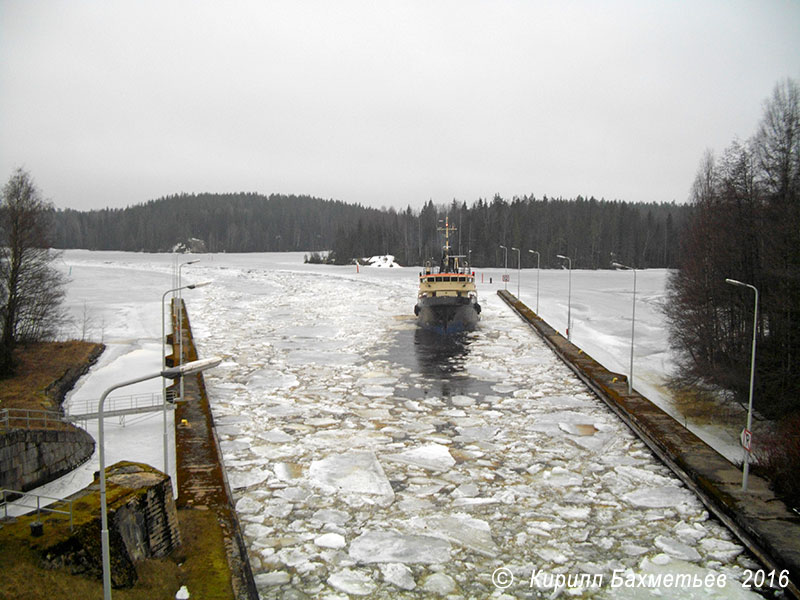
(448, 315)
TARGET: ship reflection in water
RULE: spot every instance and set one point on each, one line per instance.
(435, 364)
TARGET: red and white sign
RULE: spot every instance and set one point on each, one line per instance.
(747, 438)
(506, 278)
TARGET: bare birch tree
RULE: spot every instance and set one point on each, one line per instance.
(31, 290)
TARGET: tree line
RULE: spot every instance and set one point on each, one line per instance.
(240, 222)
(587, 230)
(744, 226)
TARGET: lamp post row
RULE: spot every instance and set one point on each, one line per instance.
(171, 373)
(174, 372)
(747, 432)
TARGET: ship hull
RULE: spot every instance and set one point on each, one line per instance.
(448, 315)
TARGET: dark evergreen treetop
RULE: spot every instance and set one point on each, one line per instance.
(587, 230)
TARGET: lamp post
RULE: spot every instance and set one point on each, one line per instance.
(519, 272)
(537, 278)
(633, 319)
(171, 373)
(505, 277)
(748, 431)
(180, 314)
(164, 366)
(569, 296)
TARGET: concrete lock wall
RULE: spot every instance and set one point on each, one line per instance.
(32, 457)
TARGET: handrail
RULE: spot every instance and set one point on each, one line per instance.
(30, 418)
(80, 410)
(39, 508)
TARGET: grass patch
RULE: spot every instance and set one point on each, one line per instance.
(200, 563)
(38, 366)
(705, 408)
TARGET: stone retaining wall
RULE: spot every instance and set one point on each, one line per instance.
(32, 457)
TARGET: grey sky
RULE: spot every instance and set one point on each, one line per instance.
(111, 103)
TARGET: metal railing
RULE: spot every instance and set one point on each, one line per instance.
(16, 502)
(86, 408)
(82, 410)
(28, 418)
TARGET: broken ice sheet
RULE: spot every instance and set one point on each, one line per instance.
(393, 547)
(657, 497)
(458, 528)
(352, 473)
(433, 457)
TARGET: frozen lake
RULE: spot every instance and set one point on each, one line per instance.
(367, 459)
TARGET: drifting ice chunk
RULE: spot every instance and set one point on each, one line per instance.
(247, 506)
(327, 515)
(276, 436)
(439, 583)
(352, 582)
(330, 540)
(399, 575)
(273, 578)
(355, 473)
(434, 457)
(461, 529)
(269, 379)
(462, 401)
(656, 497)
(677, 549)
(392, 547)
(721, 550)
(477, 434)
(244, 479)
(578, 428)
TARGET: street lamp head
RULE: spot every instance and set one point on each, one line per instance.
(189, 368)
(197, 285)
(517, 249)
(735, 282)
(503, 247)
(191, 262)
(617, 265)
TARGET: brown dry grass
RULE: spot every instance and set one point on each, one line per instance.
(38, 365)
(200, 563)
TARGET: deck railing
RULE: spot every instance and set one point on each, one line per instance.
(17, 499)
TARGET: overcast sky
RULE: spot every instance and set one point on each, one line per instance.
(112, 103)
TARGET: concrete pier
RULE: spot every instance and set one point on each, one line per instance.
(762, 522)
(201, 478)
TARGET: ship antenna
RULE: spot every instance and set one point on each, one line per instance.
(447, 229)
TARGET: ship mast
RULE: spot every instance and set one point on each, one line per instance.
(447, 229)
(446, 259)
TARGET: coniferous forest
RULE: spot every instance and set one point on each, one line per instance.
(586, 230)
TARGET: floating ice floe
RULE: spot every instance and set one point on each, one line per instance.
(677, 549)
(352, 582)
(433, 457)
(461, 529)
(393, 547)
(244, 479)
(656, 497)
(398, 574)
(439, 583)
(330, 540)
(352, 473)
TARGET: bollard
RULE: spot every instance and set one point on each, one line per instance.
(37, 528)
